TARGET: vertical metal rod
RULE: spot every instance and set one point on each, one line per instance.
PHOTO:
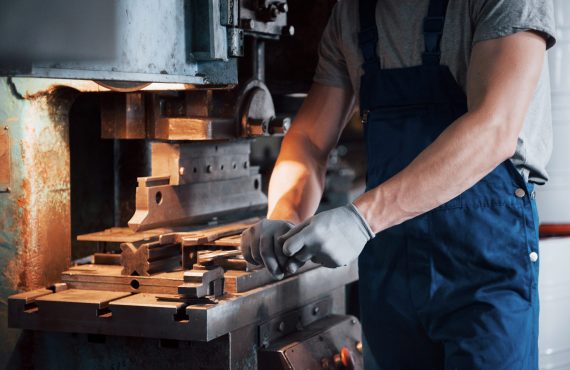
(258, 47)
(116, 183)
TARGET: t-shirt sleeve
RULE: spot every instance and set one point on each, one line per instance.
(499, 18)
(331, 68)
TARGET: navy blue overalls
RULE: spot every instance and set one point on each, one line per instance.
(455, 288)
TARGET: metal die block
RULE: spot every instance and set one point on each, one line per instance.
(123, 116)
(168, 316)
(201, 283)
(70, 310)
(195, 128)
(200, 162)
(22, 304)
(237, 281)
(109, 277)
(261, 304)
(123, 235)
(163, 205)
(149, 258)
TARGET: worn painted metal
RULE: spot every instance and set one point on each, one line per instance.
(34, 212)
(174, 41)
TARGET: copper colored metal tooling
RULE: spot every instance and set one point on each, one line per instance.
(208, 235)
(148, 258)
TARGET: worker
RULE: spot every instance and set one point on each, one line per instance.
(454, 101)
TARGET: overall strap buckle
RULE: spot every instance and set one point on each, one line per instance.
(433, 31)
(368, 35)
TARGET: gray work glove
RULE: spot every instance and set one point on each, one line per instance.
(332, 238)
(260, 246)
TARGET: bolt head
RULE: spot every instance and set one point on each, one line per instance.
(181, 171)
(274, 12)
(248, 24)
(289, 30)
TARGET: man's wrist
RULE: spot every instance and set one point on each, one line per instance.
(362, 220)
(289, 217)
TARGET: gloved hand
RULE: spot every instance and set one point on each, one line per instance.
(332, 238)
(260, 246)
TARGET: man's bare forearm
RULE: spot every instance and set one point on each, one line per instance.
(297, 182)
(467, 151)
(502, 80)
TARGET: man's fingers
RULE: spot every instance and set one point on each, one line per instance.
(293, 265)
(245, 245)
(303, 255)
(255, 239)
(294, 244)
(267, 252)
(278, 250)
(294, 231)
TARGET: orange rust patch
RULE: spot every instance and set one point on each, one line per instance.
(41, 214)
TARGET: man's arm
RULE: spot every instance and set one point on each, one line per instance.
(296, 185)
(502, 78)
(503, 75)
(297, 182)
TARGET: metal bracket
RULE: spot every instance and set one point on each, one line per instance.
(201, 283)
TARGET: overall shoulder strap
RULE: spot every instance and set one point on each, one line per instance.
(368, 35)
(433, 30)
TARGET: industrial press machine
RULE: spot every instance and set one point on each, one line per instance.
(159, 193)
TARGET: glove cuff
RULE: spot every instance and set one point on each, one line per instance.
(362, 220)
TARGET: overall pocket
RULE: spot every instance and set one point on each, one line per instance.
(482, 251)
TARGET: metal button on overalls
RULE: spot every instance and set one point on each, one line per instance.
(451, 288)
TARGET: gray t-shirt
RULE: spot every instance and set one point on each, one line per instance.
(467, 22)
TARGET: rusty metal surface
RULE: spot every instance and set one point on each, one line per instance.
(34, 215)
(5, 160)
(123, 116)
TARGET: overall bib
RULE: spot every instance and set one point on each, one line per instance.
(455, 288)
